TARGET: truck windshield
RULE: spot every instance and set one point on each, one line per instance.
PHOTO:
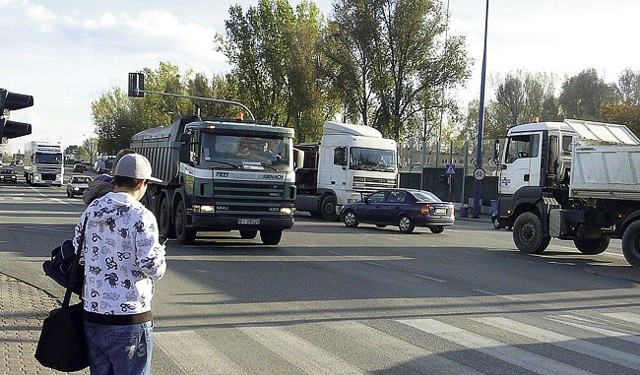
(372, 159)
(48, 158)
(234, 151)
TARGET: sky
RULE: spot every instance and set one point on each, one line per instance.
(68, 53)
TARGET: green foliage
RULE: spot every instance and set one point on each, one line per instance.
(117, 117)
(583, 95)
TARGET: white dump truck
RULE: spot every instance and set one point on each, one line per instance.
(350, 161)
(573, 180)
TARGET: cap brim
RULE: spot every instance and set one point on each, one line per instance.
(153, 179)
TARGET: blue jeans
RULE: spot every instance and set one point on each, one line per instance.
(119, 350)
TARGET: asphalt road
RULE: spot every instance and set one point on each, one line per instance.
(366, 300)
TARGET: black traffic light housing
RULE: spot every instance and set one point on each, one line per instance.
(444, 179)
(11, 101)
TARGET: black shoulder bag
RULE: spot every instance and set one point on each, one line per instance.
(62, 344)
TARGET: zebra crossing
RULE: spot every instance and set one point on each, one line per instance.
(599, 343)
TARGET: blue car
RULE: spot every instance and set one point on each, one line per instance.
(406, 208)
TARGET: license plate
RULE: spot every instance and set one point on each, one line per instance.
(249, 221)
(440, 211)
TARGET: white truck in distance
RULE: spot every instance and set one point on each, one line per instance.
(573, 180)
(43, 163)
(350, 161)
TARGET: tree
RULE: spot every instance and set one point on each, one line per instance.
(583, 95)
(397, 48)
(257, 45)
(629, 86)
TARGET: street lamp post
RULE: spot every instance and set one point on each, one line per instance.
(478, 177)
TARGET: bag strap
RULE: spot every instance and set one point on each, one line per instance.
(74, 267)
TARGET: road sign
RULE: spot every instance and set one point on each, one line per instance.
(450, 169)
(479, 174)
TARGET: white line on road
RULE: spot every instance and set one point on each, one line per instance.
(194, 355)
(502, 351)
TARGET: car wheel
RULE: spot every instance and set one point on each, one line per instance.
(350, 219)
(405, 224)
(437, 229)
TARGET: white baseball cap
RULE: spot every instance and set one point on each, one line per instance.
(135, 166)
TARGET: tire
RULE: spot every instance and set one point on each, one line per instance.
(631, 244)
(528, 235)
(437, 229)
(270, 237)
(248, 234)
(164, 219)
(592, 246)
(405, 224)
(328, 208)
(350, 219)
(184, 235)
(496, 222)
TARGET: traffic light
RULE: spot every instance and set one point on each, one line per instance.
(11, 101)
(444, 179)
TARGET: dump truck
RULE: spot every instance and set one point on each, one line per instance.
(218, 174)
(573, 180)
(349, 163)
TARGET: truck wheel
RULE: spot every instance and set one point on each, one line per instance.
(590, 246)
(271, 237)
(528, 235)
(184, 235)
(248, 234)
(405, 224)
(328, 208)
(631, 244)
(350, 219)
(164, 219)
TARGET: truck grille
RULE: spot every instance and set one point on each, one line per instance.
(368, 185)
(249, 198)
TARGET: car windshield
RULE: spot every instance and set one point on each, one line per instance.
(8, 171)
(372, 159)
(238, 152)
(425, 196)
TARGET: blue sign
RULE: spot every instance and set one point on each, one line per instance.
(451, 169)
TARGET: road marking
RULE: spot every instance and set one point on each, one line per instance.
(194, 355)
(306, 356)
(525, 359)
(429, 278)
(627, 317)
(398, 350)
(563, 341)
(602, 331)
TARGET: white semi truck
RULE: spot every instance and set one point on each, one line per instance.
(573, 180)
(350, 161)
(43, 163)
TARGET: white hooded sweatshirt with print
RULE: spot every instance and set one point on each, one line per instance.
(122, 255)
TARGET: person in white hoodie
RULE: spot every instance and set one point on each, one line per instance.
(123, 257)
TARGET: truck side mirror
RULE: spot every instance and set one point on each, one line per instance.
(298, 162)
(185, 156)
(496, 152)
